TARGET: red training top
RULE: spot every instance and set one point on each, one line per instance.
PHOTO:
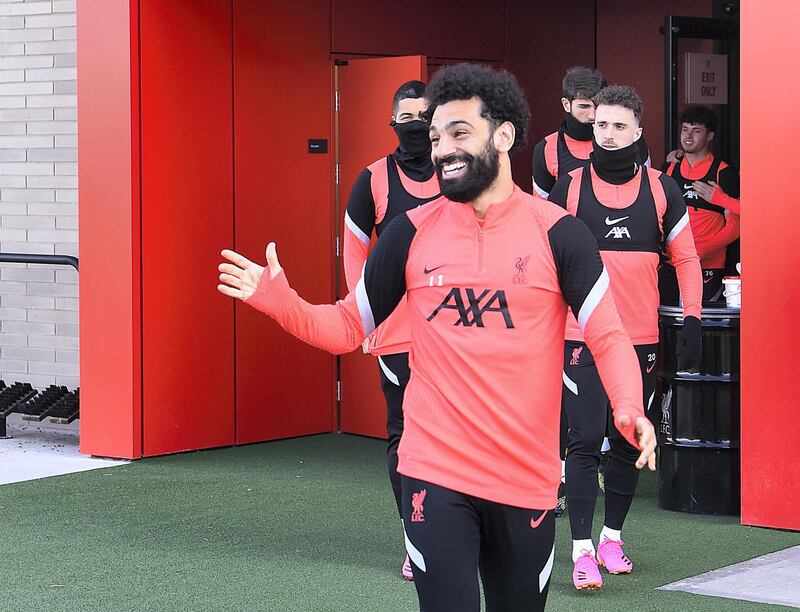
(487, 303)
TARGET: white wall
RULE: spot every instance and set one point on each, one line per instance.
(38, 191)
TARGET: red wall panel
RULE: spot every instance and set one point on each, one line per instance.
(543, 40)
(108, 140)
(187, 218)
(630, 50)
(770, 292)
(473, 29)
(366, 90)
(283, 97)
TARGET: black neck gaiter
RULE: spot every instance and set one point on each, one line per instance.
(577, 130)
(615, 166)
(414, 153)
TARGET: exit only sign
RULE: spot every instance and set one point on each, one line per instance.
(706, 78)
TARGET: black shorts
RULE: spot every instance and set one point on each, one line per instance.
(450, 536)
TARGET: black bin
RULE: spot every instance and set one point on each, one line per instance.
(698, 432)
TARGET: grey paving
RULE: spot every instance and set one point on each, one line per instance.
(40, 450)
(769, 579)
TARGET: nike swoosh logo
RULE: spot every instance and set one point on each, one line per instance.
(650, 369)
(689, 186)
(536, 522)
(613, 221)
(429, 270)
(708, 280)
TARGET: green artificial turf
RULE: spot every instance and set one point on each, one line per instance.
(304, 524)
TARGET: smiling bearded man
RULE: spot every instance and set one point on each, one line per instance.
(487, 283)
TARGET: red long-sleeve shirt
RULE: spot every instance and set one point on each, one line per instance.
(487, 303)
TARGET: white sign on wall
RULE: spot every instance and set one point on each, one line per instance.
(706, 78)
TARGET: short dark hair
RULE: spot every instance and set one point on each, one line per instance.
(501, 96)
(409, 89)
(700, 115)
(621, 95)
(581, 82)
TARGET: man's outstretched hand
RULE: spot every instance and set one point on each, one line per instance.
(646, 437)
(239, 278)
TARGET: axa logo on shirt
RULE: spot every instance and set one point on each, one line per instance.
(690, 193)
(473, 307)
(618, 232)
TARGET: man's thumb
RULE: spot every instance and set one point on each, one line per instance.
(272, 260)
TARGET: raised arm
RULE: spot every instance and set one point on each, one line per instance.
(336, 328)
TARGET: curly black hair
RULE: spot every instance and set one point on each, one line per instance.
(498, 90)
(700, 115)
(621, 95)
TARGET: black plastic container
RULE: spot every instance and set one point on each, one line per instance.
(698, 429)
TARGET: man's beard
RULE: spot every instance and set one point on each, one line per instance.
(481, 173)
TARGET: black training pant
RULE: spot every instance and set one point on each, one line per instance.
(394, 378)
(590, 417)
(451, 536)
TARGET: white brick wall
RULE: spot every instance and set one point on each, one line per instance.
(38, 191)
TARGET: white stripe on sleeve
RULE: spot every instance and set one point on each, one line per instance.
(678, 227)
(364, 308)
(593, 299)
(540, 191)
(351, 225)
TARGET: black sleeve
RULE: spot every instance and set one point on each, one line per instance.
(360, 205)
(729, 181)
(676, 208)
(644, 150)
(558, 194)
(385, 270)
(577, 259)
(542, 179)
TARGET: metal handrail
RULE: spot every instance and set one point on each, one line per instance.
(39, 258)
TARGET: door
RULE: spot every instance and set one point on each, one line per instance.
(365, 89)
